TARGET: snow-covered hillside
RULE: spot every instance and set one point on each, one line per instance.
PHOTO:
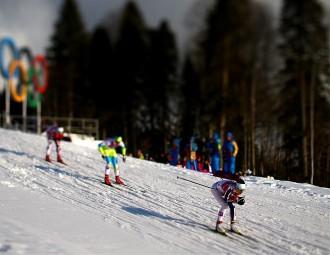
(53, 209)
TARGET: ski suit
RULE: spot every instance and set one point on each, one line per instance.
(224, 192)
(54, 137)
(108, 149)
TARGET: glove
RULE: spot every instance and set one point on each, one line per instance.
(124, 159)
(241, 201)
(103, 156)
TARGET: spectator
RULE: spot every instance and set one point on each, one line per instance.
(203, 164)
(214, 150)
(174, 155)
(192, 160)
(139, 154)
(229, 150)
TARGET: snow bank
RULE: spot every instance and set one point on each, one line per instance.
(54, 209)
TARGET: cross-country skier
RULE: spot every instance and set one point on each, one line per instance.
(54, 135)
(108, 148)
(227, 193)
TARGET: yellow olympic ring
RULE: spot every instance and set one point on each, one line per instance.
(14, 64)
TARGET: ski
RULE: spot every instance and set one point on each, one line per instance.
(229, 233)
(55, 163)
(235, 232)
(111, 185)
(224, 233)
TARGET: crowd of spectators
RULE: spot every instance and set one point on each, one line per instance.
(200, 154)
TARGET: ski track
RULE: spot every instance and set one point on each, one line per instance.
(278, 218)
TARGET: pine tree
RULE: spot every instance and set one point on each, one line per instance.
(131, 56)
(163, 85)
(67, 57)
(227, 51)
(192, 98)
(162, 88)
(305, 73)
(101, 77)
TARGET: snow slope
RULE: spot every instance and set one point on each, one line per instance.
(54, 209)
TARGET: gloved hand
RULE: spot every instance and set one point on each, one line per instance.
(241, 201)
(103, 156)
(124, 159)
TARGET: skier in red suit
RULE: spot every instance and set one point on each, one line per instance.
(228, 192)
(54, 136)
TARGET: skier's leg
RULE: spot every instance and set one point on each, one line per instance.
(116, 170)
(59, 151)
(107, 171)
(222, 210)
(232, 212)
(114, 163)
(233, 225)
(49, 149)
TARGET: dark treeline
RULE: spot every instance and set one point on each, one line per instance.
(266, 82)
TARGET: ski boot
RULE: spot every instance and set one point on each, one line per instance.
(234, 228)
(107, 180)
(48, 159)
(119, 181)
(220, 229)
(60, 160)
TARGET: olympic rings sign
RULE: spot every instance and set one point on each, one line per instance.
(31, 85)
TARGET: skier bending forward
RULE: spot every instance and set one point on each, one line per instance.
(228, 192)
(54, 135)
(108, 150)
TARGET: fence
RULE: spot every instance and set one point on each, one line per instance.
(33, 124)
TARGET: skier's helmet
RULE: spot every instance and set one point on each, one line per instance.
(119, 139)
(60, 130)
(240, 186)
(109, 142)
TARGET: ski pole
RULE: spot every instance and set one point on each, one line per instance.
(194, 182)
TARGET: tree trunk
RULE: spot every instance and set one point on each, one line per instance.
(312, 122)
(253, 120)
(225, 86)
(223, 118)
(245, 110)
(328, 166)
(246, 133)
(304, 123)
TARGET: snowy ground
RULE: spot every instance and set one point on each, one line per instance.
(53, 209)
